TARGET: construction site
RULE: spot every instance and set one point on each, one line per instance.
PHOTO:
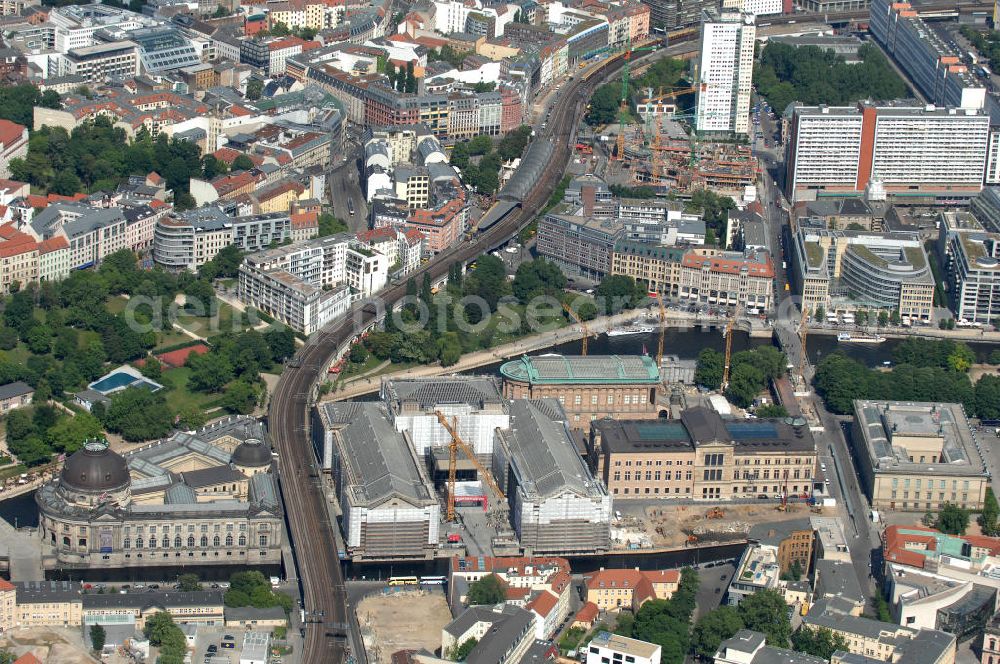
(669, 526)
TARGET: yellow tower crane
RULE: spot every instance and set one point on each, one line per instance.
(484, 473)
(586, 331)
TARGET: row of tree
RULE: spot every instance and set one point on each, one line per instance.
(813, 76)
(17, 102)
(840, 380)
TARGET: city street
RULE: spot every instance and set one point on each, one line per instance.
(343, 180)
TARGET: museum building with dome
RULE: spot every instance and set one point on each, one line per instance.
(204, 497)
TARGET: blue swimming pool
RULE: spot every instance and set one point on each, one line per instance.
(121, 379)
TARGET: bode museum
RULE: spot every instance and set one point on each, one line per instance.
(205, 497)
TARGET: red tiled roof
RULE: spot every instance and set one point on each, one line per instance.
(155, 177)
(588, 614)
(5, 585)
(543, 603)
(754, 267)
(304, 219)
(10, 132)
(52, 244)
(286, 42)
(156, 204)
(377, 234)
(36, 201)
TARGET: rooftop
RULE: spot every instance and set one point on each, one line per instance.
(625, 645)
(378, 461)
(593, 369)
(886, 427)
(543, 455)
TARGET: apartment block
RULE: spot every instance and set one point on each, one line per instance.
(937, 152)
(296, 303)
(725, 72)
(188, 240)
(876, 640)
(612, 647)
(927, 57)
(117, 60)
(917, 456)
(970, 257)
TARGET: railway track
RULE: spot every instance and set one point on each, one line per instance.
(311, 531)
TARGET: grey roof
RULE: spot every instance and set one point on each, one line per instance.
(472, 615)
(92, 396)
(440, 171)
(16, 389)
(431, 392)
(34, 592)
(377, 461)
(253, 613)
(146, 600)
(90, 222)
(264, 490)
(834, 577)
(749, 642)
(494, 647)
(210, 476)
(543, 456)
(180, 494)
(534, 161)
(879, 421)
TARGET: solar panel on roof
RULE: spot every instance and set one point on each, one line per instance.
(748, 430)
(664, 431)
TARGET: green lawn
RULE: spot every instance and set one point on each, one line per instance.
(223, 319)
(116, 304)
(179, 396)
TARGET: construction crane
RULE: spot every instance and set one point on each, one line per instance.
(730, 328)
(663, 331)
(586, 331)
(484, 473)
(623, 102)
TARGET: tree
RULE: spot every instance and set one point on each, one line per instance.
(988, 397)
(604, 105)
(883, 318)
(771, 410)
(243, 163)
(97, 637)
(820, 642)
(190, 416)
(766, 612)
(189, 582)
(463, 650)
(988, 518)
(745, 383)
(209, 371)
(242, 397)
(537, 277)
(486, 590)
(255, 88)
(449, 348)
(358, 354)
(410, 84)
(617, 292)
(961, 358)
(713, 628)
(709, 369)
(330, 225)
(952, 519)
(152, 368)
(69, 433)
(281, 342)
(138, 414)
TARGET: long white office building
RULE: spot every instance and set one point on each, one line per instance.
(725, 71)
(910, 150)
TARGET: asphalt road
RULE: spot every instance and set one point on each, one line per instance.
(344, 184)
